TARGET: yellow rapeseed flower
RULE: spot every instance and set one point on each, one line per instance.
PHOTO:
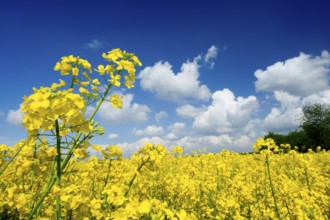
(116, 100)
(115, 79)
(83, 91)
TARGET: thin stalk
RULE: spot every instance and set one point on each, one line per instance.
(272, 188)
(70, 153)
(43, 196)
(58, 169)
(68, 156)
(107, 177)
(72, 82)
(11, 160)
(132, 180)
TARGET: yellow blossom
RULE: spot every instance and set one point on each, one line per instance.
(115, 79)
(75, 71)
(95, 88)
(51, 152)
(84, 83)
(83, 91)
(96, 82)
(116, 100)
(144, 207)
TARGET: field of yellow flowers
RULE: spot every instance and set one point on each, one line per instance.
(157, 184)
(50, 174)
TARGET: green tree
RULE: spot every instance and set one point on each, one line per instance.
(316, 124)
(278, 138)
(298, 139)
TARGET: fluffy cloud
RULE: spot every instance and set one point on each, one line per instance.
(297, 81)
(176, 131)
(113, 136)
(320, 97)
(150, 130)
(166, 85)
(288, 115)
(287, 100)
(160, 115)
(225, 141)
(300, 76)
(15, 117)
(131, 112)
(226, 113)
(210, 55)
(189, 111)
(282, 120)
(211, 143)
(128, 148)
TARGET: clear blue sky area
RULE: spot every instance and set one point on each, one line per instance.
(215, 74)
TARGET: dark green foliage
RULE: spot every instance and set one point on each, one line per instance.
(314, 132)
(278, 138)
(294, 138)
(316, 124)
(299, 139)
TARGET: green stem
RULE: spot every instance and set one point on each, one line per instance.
(58, 169)
(11, 159)
(107, 177)
(68, 156)
(135, 175)
(272, 188)
(71, 85)
(43, 196)
(70, 153)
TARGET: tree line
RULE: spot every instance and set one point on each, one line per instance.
(314, 130)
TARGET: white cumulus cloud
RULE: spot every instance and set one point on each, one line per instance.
(160, 115)
(320, 97)
(282, 120)
(211, 143)
(176, 131)
(15, 117)
(150, 130)
(189, 111)
(226, 113)
(300, 76)
(287, 100)
(131, 112)
(167, 85)
(113, 136)
(295, 82)
(286, 117)
(128, 148)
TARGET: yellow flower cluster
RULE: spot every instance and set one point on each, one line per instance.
(269, 145)
(155, 184)
(121, 60)
(177, 150)
(118, 61)
(47, 105)
(72, 64)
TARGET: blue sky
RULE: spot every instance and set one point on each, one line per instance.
(215, 74)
